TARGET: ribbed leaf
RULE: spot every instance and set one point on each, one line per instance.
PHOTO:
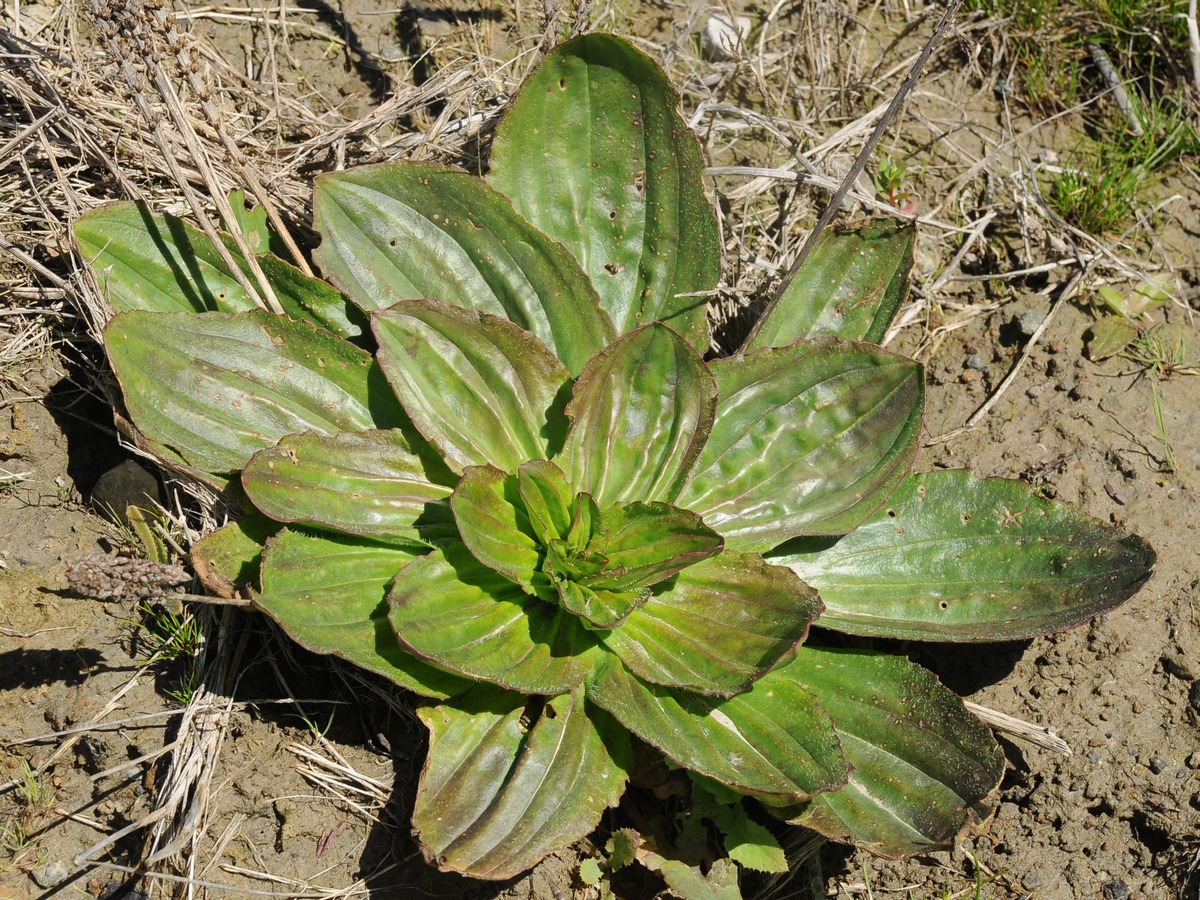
(498, 793)
(773, 741)
(228, 560)
(958, 558)
(645, 543)
(143, 260)
(450, 608)
(304, 297)
(641, 412)
(329, 594)
(493, 524)
(216, 388)
(717, 626)
(808, 439)
(602, 609)
(923, 768)
(849, 287)
(479, 389)
(149, 261)
(594, 153)
(547, 497)
(367, 482)
(419, 231)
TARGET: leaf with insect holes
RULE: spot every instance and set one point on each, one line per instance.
(617, 180)
(952, 557)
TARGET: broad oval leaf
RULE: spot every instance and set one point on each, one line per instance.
(228, 560)
(773, 741)
(717, 625)
(494, 526)
(365, 482)
(479, 389)
(848, 287)
(953, 557)
(497, 794)
(641, 412)
(450, 608)
(923, 768)
(416, 231)
(808, 439)
(617, 179)
(216, 388)
(329, 593)
(150, 261)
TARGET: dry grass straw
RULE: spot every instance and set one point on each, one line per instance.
(126, 103)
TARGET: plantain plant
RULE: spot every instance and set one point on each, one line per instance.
(487, 459)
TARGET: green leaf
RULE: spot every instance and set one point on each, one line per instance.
(365, 482)
(646, 543)
(479, 389)
(493, 524)
(689, 883)
(548, 499)
(304, 297)
(622, 848)
(252, 222)
(1110, 336)
(228, 560)
(808, 439)
(617, 179)
(720, 624)
(601, 609)
(146, 261)
(215, 388)
(589, 871)
(849, 287)
(772, 741)
(752, 846)
(497, 794)
(641, 412)
(329, 595)
(450, 608)
(953, 557)
(923, 768)
(419, 231)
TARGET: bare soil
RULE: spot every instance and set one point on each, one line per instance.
(312, 775)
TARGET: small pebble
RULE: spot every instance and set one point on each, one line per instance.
(975, 361)
(1181, 774)
(50, 875)
(1030, 881)
(1115, 889)
(1193, 761)
(1194, 696)
(1157, 765)
(1029, 321)
(1179, 665)
(1093, 756)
